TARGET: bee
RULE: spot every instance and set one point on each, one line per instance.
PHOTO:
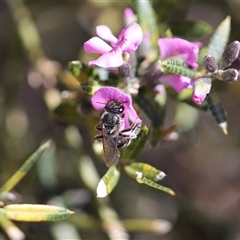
(113, 135)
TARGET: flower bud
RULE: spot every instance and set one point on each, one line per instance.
(210, 64)
(230, 54)
(201, 88)
(229, 75)
(124, 70)
(152, 74)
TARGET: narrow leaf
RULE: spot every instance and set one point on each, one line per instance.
(217, 110)
(156, 133)
(139, 176)
(147, 19)
(136, 146)
(148, 171)
(108, 182)
(35, 212)
(16, 177)
(155, 185)
(219, 39)
(10, 228)
(178, 67)
(158, 226)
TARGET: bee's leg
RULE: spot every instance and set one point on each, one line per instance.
(98, 138)
(132, 131)
(122, 142)
(99, 126)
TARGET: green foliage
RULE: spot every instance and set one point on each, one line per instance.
(143, 178)
(178, 67)
(217, 110)
(131, 152)
(35, 212)
(219, 39)
(22, 171)
(77, 112)
(147, 19)
(108, 182)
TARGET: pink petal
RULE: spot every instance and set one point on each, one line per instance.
(106, 94)
(180, 48)
(96, 45)
(201, 88)
(177, 82)
(160, 89)
(109, 60)
(198, 99)
(132, 114)
(128, 16)
(130, 38)
(105, 33)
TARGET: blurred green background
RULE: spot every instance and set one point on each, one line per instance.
(202, 165)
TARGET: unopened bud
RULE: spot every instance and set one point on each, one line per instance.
(210, 64)
(153, 73)
(201, 88)
(229, 75)
(124, 70)
(230, 54)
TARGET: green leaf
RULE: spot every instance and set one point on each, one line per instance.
(139, 176)
(22, 171)
(136, 146)
(219, 39)
(152, 184)
(35, 212)
(82, 72)
(10, 228)
(155, 135)
(189, 29)
(147, 19)
(217, 110)
(108, 182)
(148, 171)
(178, 67)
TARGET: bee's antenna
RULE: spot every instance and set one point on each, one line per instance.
(101, 103)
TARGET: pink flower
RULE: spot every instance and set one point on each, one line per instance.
(128, 41)
(183, 50)
(106, 94)
(201, 88)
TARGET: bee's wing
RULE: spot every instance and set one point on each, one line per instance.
(111, 153)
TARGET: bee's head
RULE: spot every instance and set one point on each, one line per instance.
(114, 107)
